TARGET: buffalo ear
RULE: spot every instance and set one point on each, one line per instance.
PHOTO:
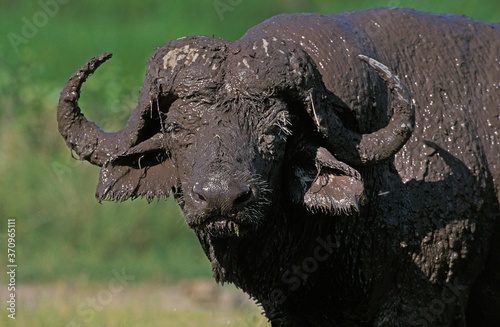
(331, 186)
(142, 171)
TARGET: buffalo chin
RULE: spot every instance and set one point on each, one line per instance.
(220, 227)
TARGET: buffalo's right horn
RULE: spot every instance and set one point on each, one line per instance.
(84, 137)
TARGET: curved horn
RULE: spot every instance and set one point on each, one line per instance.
(98, 147)
(83, 136)
(384, 143)
(369, 149)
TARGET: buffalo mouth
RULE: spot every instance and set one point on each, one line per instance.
(220, 227)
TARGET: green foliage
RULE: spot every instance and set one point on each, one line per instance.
(62, 232)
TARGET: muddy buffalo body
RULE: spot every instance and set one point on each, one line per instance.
(341, 169)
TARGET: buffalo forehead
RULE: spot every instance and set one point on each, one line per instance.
(184, 55)
(193, 64)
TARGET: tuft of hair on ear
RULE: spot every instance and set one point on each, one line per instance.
(133, 175)
(332, 194)
(327, 185)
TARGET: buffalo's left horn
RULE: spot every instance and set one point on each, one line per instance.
(372, 148)
(84, 137)
(382, 144)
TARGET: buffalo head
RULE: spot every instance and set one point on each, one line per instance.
(232, 129)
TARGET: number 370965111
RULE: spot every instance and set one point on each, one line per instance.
(11, 244)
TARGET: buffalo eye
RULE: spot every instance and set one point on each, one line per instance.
(270, 146)
(173, 127)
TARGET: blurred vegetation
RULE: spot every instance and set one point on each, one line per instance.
(137, 305)
(63, 234)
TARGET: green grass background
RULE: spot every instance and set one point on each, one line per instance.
(63, 234)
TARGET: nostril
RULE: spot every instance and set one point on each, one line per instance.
(198, 191)
(244, 198)
(201, 197)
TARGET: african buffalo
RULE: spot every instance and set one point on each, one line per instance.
(341, 169)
